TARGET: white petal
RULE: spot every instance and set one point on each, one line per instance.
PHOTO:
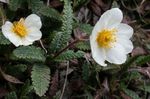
(33, 21)
(126, 43)
(111, 18)
(26, 42)
(33, 34)
(124, 30)
(97, 53)
(7, 32)
(116, 55)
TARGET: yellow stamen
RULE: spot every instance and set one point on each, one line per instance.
(106, 38)
(19, 28)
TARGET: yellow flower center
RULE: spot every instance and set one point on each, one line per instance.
(19, 28)
(106, 38)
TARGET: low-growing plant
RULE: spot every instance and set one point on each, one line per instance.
(49, 52)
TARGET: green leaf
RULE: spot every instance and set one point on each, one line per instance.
(40, 78)
(38, 6)
(35, 5)
(50, 12)
(11, 95)
(136, 59)
(85, 72)
(16, 70)
(69, 55)
(89, 95)
(3, 40)
(26, 89)
(62, 37)
(128, 63)
(86, 28)
(131, 93)
(143, 59)
(29, 53)
(83, 45)
(133, 75)
(145, 88)
(14, 4)
(79, 3)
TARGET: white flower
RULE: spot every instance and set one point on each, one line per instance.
(23, 32)
(110, 39)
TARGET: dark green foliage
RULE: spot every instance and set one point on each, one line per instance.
(131, 93)
(25, 90)
(83, 45)
(86, 28)
(35, 5)
(62, 37)
(50, 12)
(40, 78)
(29, 53)
(11, 95)
(85, 72)
(143, 59)
(16, 70)
(3, 40)
(69, 55)
(128, 63)
(15, 4)
(145, 88)
(79, 3)
(136, 59)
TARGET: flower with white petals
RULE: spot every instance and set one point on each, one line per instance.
(23, 32)
(110, 39)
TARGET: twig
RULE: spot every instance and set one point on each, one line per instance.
(71, 44)
(66, 77)
(2, 14)
(43, 46)
(48, 2)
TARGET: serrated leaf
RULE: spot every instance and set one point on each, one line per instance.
(38, 6)
(69, 55)
(83, 45)
(50, 12)
(143, 59)
(131, 76)
(3, 40)
(11, 95)
(56, 42)
(14, 4)
(29, 53)
(62, 37)
(86, 28)
(79, 3)
(131, 93)
(35, 5)
(40, 78)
